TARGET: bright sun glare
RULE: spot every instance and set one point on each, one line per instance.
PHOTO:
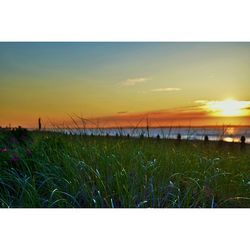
(228, 107)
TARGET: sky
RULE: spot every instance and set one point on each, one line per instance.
(122, 83)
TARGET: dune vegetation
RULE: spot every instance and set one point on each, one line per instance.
(45, 169)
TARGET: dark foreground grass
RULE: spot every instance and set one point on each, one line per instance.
(55, 170)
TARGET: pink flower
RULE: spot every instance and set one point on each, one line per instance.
(3, 150)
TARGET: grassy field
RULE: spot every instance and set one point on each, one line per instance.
(53, 170)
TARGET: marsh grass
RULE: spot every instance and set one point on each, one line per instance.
(57, 170)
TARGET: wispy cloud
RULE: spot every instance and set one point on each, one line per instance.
(166, 89)
(122, 112)
(134, 81)
(192, 115)
(201, 101)
(229, 102)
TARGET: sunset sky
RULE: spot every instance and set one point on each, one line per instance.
(120, 83)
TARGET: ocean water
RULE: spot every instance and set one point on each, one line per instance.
(229, 134)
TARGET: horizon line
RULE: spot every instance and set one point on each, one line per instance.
(133, 127)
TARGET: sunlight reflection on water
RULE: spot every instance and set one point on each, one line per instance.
(231, 139)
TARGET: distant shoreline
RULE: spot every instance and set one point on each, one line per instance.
(145, 127)
(173, 139)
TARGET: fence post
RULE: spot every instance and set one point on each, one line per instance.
(179, 137)
(242, 142)
(39, 123)
(206, 139)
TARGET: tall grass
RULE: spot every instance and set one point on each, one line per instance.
(56, 170)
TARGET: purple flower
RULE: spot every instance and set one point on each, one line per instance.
(14, 159)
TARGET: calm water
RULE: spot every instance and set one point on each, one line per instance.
(229, 134)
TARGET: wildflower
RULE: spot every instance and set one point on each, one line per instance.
(14, 159)
(3, 150)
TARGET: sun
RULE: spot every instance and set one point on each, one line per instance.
(229, 107)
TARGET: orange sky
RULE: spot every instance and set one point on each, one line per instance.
(122, 83)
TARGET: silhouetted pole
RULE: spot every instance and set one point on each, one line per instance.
(39, 124)
(148, 126)
(242, 142)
